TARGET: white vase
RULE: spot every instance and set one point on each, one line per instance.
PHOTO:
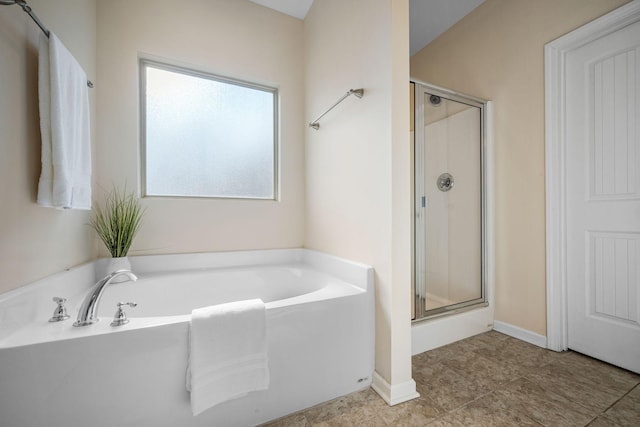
(118, 263)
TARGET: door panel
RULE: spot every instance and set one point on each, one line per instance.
(603, 198)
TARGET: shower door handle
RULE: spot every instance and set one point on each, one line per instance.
(445, 182)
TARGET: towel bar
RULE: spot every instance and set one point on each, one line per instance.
(23, 4)
(357, 92)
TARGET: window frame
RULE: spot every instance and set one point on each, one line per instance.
(143, 64)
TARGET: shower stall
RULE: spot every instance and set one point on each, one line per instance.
(449, 202)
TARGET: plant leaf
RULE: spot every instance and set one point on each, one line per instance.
(118, 221)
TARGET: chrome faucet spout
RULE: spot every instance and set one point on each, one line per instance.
(88, 313)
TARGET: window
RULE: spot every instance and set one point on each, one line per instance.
(205, 135)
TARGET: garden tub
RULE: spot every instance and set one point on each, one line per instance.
(319, 323)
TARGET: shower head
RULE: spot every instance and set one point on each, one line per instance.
(435, 100)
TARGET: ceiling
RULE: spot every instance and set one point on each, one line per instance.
(430, 18)
(427, 18)
(296, 8)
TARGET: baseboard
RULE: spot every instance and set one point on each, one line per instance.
(520, 333)
(394, 394)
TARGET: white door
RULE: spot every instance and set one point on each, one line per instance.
(603, 197)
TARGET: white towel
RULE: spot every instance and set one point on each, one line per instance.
(65, 178)
(227, 353)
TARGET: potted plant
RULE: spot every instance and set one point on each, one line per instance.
(117, 224)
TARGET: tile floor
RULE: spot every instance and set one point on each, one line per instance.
(494, 380)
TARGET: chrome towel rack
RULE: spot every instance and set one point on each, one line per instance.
(27, 9)
(357, 92)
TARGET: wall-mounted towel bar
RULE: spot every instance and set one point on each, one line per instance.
(23, 4)
(357, 92)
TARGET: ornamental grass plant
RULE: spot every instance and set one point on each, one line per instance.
(118, 221)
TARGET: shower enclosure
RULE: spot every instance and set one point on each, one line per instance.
(449, 221)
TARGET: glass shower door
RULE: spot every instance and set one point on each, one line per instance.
(448, 202)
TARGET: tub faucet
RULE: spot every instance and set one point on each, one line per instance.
(88, 311)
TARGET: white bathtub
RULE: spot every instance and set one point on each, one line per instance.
(320, 334)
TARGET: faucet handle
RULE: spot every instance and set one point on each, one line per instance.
(120, 318)
(60, 313)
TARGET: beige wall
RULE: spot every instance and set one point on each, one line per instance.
(36, 241)
(496, 53)
(358, 163)
(228, 37)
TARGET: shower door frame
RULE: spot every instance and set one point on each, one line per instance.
(419, 247)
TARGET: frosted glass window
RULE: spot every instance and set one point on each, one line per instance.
(207, 136)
